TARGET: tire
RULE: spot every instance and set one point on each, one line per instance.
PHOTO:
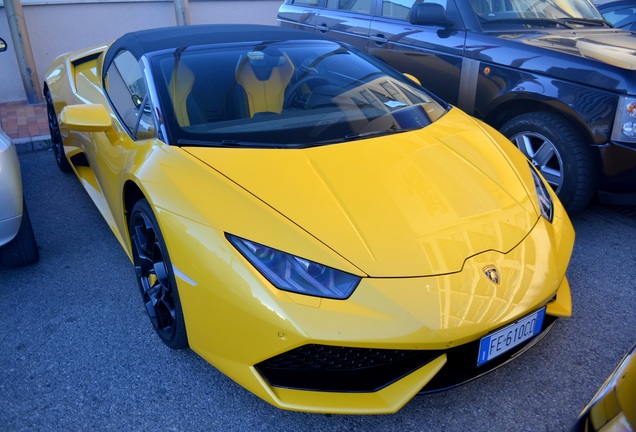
(559, 152)
(23, 249)
(56, 136)
(156, 277)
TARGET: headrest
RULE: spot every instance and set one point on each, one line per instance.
(263, 64)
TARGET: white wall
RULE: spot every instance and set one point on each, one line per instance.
(55, 29)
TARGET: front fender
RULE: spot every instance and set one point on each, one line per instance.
(503, 93)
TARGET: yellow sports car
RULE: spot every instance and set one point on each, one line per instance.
(613, 408)
(308, 220)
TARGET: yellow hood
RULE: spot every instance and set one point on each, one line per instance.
(410, 204)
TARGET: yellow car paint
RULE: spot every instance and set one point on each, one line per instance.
(384, 209)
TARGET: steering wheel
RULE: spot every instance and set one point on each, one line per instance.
(294, 97)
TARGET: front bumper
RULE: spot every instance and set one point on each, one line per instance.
(392, 339)
(10, 190)
(617, 179)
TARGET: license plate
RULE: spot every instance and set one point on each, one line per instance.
(509, 337)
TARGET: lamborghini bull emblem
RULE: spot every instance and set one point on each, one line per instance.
(492, 273)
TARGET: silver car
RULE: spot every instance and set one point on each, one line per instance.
(17, 242)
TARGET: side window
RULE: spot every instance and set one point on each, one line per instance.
(127, 91)
(359, 6)
(398, 9)
(401, 9)
(305, 2)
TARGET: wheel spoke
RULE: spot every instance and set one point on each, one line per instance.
(161, 273)
(524, 144)
(145, 263)
(544, 154)
(165, 314)
(164, 306)
(552, 176)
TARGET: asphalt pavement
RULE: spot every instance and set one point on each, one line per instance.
(77, 351)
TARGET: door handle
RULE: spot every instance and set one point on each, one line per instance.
(323, 28)
(379, 39)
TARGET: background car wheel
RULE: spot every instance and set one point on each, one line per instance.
(558, 151)
(156, 277)
(23, 249)
(56, 137)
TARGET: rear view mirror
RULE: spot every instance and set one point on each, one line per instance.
(3, 45)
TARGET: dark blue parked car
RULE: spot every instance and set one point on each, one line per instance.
(552, 75)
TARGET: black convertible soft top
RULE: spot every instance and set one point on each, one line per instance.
(146, 41)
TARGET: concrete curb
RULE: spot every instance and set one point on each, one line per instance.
(31, 144)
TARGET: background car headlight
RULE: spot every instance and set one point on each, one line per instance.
(546, 206)
(291, 273)
(624, 130)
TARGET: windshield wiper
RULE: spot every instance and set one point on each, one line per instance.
(542, 22)
(587, 21)
(237, 144)
(570, 23)
(224, 143)
(363, 135)
(392, 130)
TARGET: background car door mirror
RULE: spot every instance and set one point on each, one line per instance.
(428, 14)
(3, 45)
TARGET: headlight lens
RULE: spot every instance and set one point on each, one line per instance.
(625, 121)
(546, 206)
(291, 273)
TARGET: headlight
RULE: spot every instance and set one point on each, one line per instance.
(625, 121)
(545, 201)
(291, 273)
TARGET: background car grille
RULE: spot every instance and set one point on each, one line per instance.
(341, 369)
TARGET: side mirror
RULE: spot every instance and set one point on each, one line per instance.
(86, 118)
(3, 45)
(428, 14)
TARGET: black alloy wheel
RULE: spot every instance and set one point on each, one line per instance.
(56, 136)
(155, 276)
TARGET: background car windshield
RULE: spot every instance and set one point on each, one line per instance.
(286, 94)
(534, 9)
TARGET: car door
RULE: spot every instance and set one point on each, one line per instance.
(300, 14)
(432, 53)
(347, 21)
(110, 155)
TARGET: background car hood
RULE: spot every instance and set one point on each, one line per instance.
(609, 46)
(597, 57)
(410, 204)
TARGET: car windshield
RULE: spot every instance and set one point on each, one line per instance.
(284, 94)
(557, 13)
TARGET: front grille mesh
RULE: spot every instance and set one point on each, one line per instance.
(344, 369)
(332, 357)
